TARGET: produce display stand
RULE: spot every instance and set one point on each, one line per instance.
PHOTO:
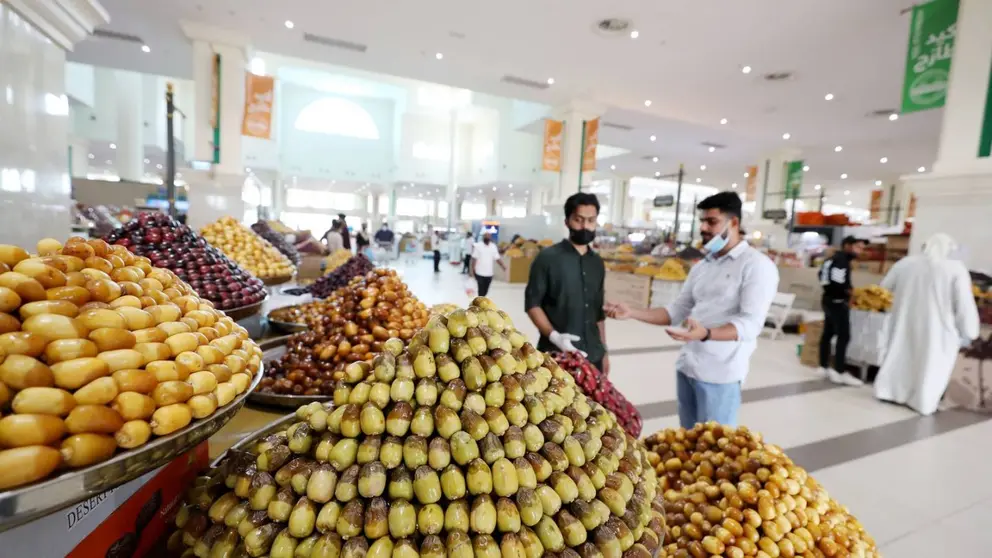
(274, 349)
(21, 505)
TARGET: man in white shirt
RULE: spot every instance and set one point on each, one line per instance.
(723, 305)
(484, 255)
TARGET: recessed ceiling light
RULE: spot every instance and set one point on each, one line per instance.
(838, 149)
(805, 168)
(158, 166)
(723, 121)
(878, 183)
(613, 167)
(647, 103)
(829, 97)
(848, 203)
(746, 70)
(702, 167)
(179, 175)
(712, 149)
(698, 180)
(734, 185)
(551, 81)
(494, 188)
(511, 194)
(92, 156)
(843, 176)
(921, 169)
(146, 48)
(654, 159)
(893, 117)
(747, 175)
(653, 138)
(634, 34)
(147, 161)
(439, 56)
(883, 160)
(511, 185)
(847, 192)
(113, 146)
(786, 136)
(657, 173)
(289, 24)
(109, 162)
(817, 187)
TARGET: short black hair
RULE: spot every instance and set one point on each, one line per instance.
(849, 240)
(728, 203)
(580, 198)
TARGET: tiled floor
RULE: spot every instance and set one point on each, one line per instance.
(922, 486)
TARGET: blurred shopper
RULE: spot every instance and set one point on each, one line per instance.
(333, 237)
(345, 234)
(362, 238)
(564, 295)
(484, 255)
(434, 239)
(835, 277)
(468, 246)
(723, 305)
(933, 316)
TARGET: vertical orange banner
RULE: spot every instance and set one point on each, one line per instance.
(590, 141)
(751, 185)
(875, 205)
(259, 97)
(911, 212)
(553, 130)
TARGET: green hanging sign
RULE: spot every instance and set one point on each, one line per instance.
(793, 179)
(932, 32)
(985, 144)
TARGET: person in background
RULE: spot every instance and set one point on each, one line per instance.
(564, 294)
(484, 255)
(345, 234)
(723, 305)
(933, 316)
(362, 239)
(835, 277)
(434, 241)
(333, 237)
(468, 245)
(384, 235)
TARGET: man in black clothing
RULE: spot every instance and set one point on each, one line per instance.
(835, 276)
(345, 235)
(564, 295)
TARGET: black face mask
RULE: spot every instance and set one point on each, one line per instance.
(581, 237)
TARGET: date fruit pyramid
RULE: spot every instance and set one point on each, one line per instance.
(251, 251)
(467, 443)
(100, 351)
(728, 493)
(171, 245)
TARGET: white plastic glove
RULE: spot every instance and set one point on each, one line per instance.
(564, 342)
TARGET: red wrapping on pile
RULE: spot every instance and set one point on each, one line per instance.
(597, 385)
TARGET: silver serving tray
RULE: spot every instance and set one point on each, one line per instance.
(245, 443)
(271, 350)
(287, 327)
(24, 504)
(242, 312)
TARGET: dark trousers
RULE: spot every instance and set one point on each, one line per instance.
(837, 322)
(467, 263)
(483, 283)
(437, 261)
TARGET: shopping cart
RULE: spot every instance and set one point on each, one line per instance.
(413, 252)
(383, 253)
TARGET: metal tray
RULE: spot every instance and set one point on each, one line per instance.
(274, 281)
(246, 441)
(287, 327)
(271, 350)
(242, 312)
(21, 505)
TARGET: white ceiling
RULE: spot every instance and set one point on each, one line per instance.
(687, 60)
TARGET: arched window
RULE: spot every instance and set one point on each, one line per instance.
(337, 117)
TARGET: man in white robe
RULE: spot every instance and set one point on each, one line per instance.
(933, 316)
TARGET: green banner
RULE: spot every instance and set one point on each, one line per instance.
(932, 32)
(793, 179)
(985, 145)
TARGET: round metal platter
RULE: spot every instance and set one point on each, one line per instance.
(287, 327)
(21, 505)
(271, 350)
(274, 281)
(276, 425)
(242, 312)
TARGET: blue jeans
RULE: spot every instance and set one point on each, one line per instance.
(703, 402)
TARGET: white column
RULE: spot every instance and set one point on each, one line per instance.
(130, 125)
(454, 165)
(391, 215)
(535, 201)
(619, 202)
(278, 197)
(80, 160)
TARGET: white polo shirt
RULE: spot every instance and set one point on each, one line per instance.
(738, 289)
(485, 256)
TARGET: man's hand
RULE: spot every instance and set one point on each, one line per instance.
(606, 365)
(617, 311)
(693, 332)
(564, 342)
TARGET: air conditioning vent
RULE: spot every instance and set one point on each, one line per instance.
(334, 43)
(778, 76)
(882, 113)
(114, 35)
(714, 145)
(524, 82)
(613, 25)
(616, 126)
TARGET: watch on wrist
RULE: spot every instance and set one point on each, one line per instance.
(707, 336)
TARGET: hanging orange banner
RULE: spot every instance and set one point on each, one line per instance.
(259, 97)
(590, 141)
(553, 131)
(875, 205)
(751, 184)
(911, 212)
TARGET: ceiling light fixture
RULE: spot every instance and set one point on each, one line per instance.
(634, 34)
(146, 48)
(92, 156)
(843, 176)
(734, 185)
(786, 136)
(653, 138)
(878, 183)
(746, 70)
(511, 185)
(494, 188)
(289, 24)
(747, 175)
(147, 161)
(723, 121)
(439, 56)
(702, 167)
(657, 173)
(838, 149)
(828, 97)
(712, 149)
(654, 159)
(551, 81)
(158, 166)
(883, 160)
(805, 168)
(698, 180)
(109, 162)
(921, 169)
(817, 187)
(848, 203)
(613, 167)
(113, 146)
(847, 192)
(647, 103)
(893, 117)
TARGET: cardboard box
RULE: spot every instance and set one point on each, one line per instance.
(804, 282)
(810, 354)
(517, 269)
(311, 268)
(633, 290)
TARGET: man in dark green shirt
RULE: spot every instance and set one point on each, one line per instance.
(564, 296)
